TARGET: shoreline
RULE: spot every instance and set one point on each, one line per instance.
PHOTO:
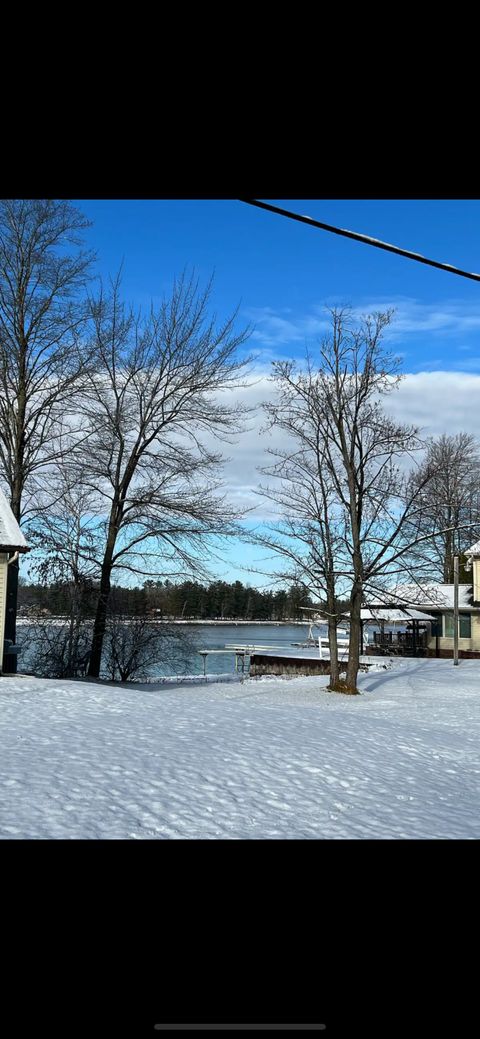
(235, 623)
(159, 620)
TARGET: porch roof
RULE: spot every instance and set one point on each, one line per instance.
(392, 615)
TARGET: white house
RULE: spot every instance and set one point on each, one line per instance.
(12, 542)
(436, 636)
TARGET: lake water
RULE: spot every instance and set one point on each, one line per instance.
(216, 637)
(186, 660)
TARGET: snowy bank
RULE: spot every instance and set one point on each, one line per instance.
(266, 758)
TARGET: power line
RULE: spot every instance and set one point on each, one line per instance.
(361, 238)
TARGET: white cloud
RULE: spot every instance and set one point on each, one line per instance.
(453, 318)
(271, 329)
(437, 401)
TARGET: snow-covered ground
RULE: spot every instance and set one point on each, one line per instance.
(266, 758)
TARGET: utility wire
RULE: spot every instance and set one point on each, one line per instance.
(361, 238)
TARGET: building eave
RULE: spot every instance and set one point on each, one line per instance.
(15, 548)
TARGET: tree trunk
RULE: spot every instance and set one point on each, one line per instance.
(448, 560)
(100, 620)
(332, 638)
(355, 639)
(333, 647)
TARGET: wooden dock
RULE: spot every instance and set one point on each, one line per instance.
(281, 660)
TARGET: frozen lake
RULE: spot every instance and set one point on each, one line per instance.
(187, 660)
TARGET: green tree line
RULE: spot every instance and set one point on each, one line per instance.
(188, 600)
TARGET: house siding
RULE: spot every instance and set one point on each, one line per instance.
(476, 580)
(471, 645)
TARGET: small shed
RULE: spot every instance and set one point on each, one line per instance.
(12, 542)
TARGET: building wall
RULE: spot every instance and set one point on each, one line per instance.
(476, 580)
(467, 645)
(3, 599)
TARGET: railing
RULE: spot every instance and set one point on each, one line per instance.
(400, 642)
(323, 641)
(239, 654)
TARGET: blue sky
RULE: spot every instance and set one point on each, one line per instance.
(282, 274)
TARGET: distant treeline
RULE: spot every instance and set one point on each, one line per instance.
(186, 600)
(222, 601)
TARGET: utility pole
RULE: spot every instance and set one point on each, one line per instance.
(455, 610)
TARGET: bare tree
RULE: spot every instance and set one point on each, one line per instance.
(353, 497)
(133, 646)
(66, 537)
(56, 649)
(306, 536)
(42, 272)
(65, 540)
(159, 383)
(449, 504)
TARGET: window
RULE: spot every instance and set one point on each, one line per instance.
(464, 625)
(448, 625)
(465, 629)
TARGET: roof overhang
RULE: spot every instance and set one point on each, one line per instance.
(15, 548)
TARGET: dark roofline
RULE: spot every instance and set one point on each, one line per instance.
(15, 548)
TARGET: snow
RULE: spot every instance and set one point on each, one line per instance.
(429, 595)
(10, 533)
(391, 616)
(474, 550)
(267, 758)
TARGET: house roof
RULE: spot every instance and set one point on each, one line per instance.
(430, 596)
(391, 615)
(474, 550)
(11, 537)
